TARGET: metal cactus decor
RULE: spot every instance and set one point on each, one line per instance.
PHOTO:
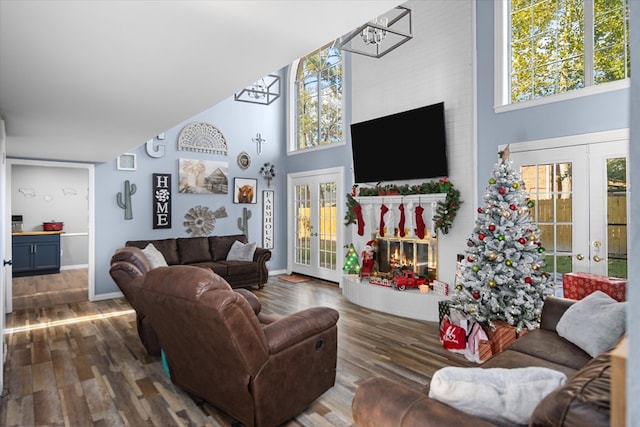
(243, 223)
(125, 202)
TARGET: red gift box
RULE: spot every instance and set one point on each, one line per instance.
(579, 285)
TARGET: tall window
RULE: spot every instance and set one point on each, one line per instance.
(318, 98)
(561, 45)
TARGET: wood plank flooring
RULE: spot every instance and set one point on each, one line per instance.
(82, 364)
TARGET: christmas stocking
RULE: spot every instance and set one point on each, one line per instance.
(383, 210)
(402, 220)
(419, 222)
(358, 210)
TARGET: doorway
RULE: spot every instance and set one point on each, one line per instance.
(314, 221)
(579, 186)
(78, 241)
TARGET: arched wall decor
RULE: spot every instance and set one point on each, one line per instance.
(203, 138)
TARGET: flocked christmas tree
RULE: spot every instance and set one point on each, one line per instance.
(501, 277)
(351, 263)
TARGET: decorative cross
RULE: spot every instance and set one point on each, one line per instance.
(258, 140)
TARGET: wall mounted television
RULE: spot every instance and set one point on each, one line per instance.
(403, 146)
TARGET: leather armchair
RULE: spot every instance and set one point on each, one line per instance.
(128, 268)
(217, 349)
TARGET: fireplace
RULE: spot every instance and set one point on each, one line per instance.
(394, 254)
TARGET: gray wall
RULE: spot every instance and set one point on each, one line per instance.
(576, 116)
(238, 122)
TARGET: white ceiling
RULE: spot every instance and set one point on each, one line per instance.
(89, 80)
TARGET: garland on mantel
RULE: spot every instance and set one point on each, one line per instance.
(445, 212)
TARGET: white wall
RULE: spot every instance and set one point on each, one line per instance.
(436, 65)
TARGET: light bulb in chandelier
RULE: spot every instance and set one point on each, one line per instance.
(371, 34)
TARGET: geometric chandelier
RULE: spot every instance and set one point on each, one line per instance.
(381, 35)
(264, 91)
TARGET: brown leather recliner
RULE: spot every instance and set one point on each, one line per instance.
(217, 349)
(128, 268)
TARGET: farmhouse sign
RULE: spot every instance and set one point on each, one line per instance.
(267, 219)
(161, 200)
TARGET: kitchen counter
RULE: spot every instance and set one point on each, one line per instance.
(36, 233)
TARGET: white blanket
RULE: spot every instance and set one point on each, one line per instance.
(500, 395)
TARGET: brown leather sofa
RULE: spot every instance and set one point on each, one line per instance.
(211, 252)
(128, 268)
(583, 400)
(218, 350)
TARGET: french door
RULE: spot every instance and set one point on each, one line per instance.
(581, 204)
(315, 223)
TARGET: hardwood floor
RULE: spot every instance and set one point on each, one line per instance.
(82, 364)
(50, 289)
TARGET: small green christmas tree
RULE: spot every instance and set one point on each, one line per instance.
(501, 275)
(351, 264)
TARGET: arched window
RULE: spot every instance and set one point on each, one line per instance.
(318, 98)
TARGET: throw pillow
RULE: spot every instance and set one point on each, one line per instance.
(504, 396)
(594, 323)
(154, 256)
(241, 251)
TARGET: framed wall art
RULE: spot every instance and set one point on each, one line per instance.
(267, 218)
(202, 176)
(126, 162)
(245, 190)
(244, 161)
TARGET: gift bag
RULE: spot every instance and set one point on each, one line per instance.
(453, 337)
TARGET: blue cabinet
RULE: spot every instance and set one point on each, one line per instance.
(36, 254)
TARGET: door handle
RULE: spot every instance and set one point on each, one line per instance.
(580, 257)
(7, 262)
(597, 258)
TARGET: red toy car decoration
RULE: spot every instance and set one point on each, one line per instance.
(408, 279)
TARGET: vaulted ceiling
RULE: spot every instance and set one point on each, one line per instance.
(89, 80)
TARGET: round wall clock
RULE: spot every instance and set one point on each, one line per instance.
(244, 161)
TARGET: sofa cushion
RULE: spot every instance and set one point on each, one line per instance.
(193, 249)
(503, 396)
(167, 247)
(241, 251)
(547, 345)
(154, 256)
(594, 323)
(219, 246)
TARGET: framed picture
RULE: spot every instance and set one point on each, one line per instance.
(245, 190)
(126, 162)
(203, 176)
(244, 161)
(267, 219)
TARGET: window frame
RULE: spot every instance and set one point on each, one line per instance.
(502, 67)
(292, 100)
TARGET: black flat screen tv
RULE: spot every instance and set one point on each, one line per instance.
(403, 146)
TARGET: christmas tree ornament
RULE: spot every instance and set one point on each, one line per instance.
(502, 190)
(508, 263)
(501, 237)
(492, 256)
(480, 210)
(522, 240)
(506, 214)
(515, 185)
(535, 267)
(492, 283)
(492, 227)
(531, 237)
(513, 207)
(492, 181)
(475, 268)
(528, 280)
(459, 287)
(481, 236)
(530, 204)
(470, 243)
(470, 259)
(540, 250)
(476, 295)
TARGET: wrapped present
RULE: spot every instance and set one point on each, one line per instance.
(440, 288)
(579, 285)
(500, 337)
(484, 350)
(443, 310)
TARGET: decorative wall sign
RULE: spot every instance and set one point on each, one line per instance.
(244, 161)
(202, 138)
(200, 220)
(124, 199)
(126, 162)
(199, 176)
(155, 152)
(267, 218)
(245, 190)
(161, 200)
